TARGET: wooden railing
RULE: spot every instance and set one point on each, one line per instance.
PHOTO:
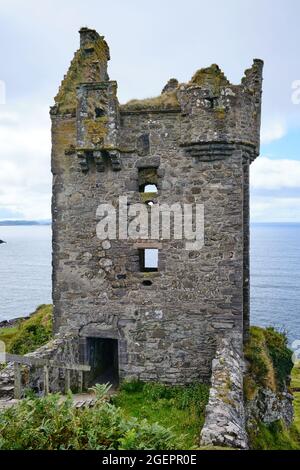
(45, 364)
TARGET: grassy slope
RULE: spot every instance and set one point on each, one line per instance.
(29, 334)
(296, 384)
(270, 365)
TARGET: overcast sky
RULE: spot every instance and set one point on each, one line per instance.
(150, 41)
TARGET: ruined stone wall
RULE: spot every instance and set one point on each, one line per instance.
(62, 349)
(225, 423)
(195, 137)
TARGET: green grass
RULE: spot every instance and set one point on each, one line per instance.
(163, 101)
(30, 333)
(295, 383)
(179, 408)
(269, 359)
(50, 423)
(275, 436)
(7, 334)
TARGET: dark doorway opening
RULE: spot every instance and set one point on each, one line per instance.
(103, 359)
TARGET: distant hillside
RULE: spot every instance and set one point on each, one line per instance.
(25, 222)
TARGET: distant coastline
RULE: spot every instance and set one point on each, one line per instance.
(24, 222)
(49, 222)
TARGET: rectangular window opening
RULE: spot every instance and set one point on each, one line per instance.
(149, 259)
(148, 180)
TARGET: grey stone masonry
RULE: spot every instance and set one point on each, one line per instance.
(225, 416)
(195, 142)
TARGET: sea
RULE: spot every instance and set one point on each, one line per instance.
(25, 273)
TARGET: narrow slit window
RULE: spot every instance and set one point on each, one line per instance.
(149, 259)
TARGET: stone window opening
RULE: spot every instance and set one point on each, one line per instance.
(148, 180)
(99, 112)
(148, 259)
(148, 185)
(150, 188)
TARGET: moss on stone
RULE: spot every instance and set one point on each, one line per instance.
(211, 77)
(84, 68)
(146, 197)
(96, 129)
(220, 112)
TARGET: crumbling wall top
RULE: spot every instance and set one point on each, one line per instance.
(88, 65)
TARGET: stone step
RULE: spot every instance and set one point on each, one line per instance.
(7, 391)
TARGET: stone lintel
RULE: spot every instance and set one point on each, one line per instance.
(146, 244)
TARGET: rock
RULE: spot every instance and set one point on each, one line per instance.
(268, 407)
(106, 245)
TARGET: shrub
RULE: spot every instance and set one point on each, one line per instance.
(53, 423)
(281, 355)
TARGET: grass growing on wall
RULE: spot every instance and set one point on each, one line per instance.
(30, 333)
(177, 407)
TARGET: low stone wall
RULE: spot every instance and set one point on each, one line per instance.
(62, 349)
(225, 417)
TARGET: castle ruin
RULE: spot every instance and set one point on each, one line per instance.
(193, 144)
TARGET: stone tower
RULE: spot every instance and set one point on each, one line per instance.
(194, 144)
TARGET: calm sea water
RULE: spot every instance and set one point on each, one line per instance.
(275, 277)
(25, 273)
(25, 269)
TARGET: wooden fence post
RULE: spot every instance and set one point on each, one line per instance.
(18, 381)
(80, 381)
(46, 380)
(67, 380)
